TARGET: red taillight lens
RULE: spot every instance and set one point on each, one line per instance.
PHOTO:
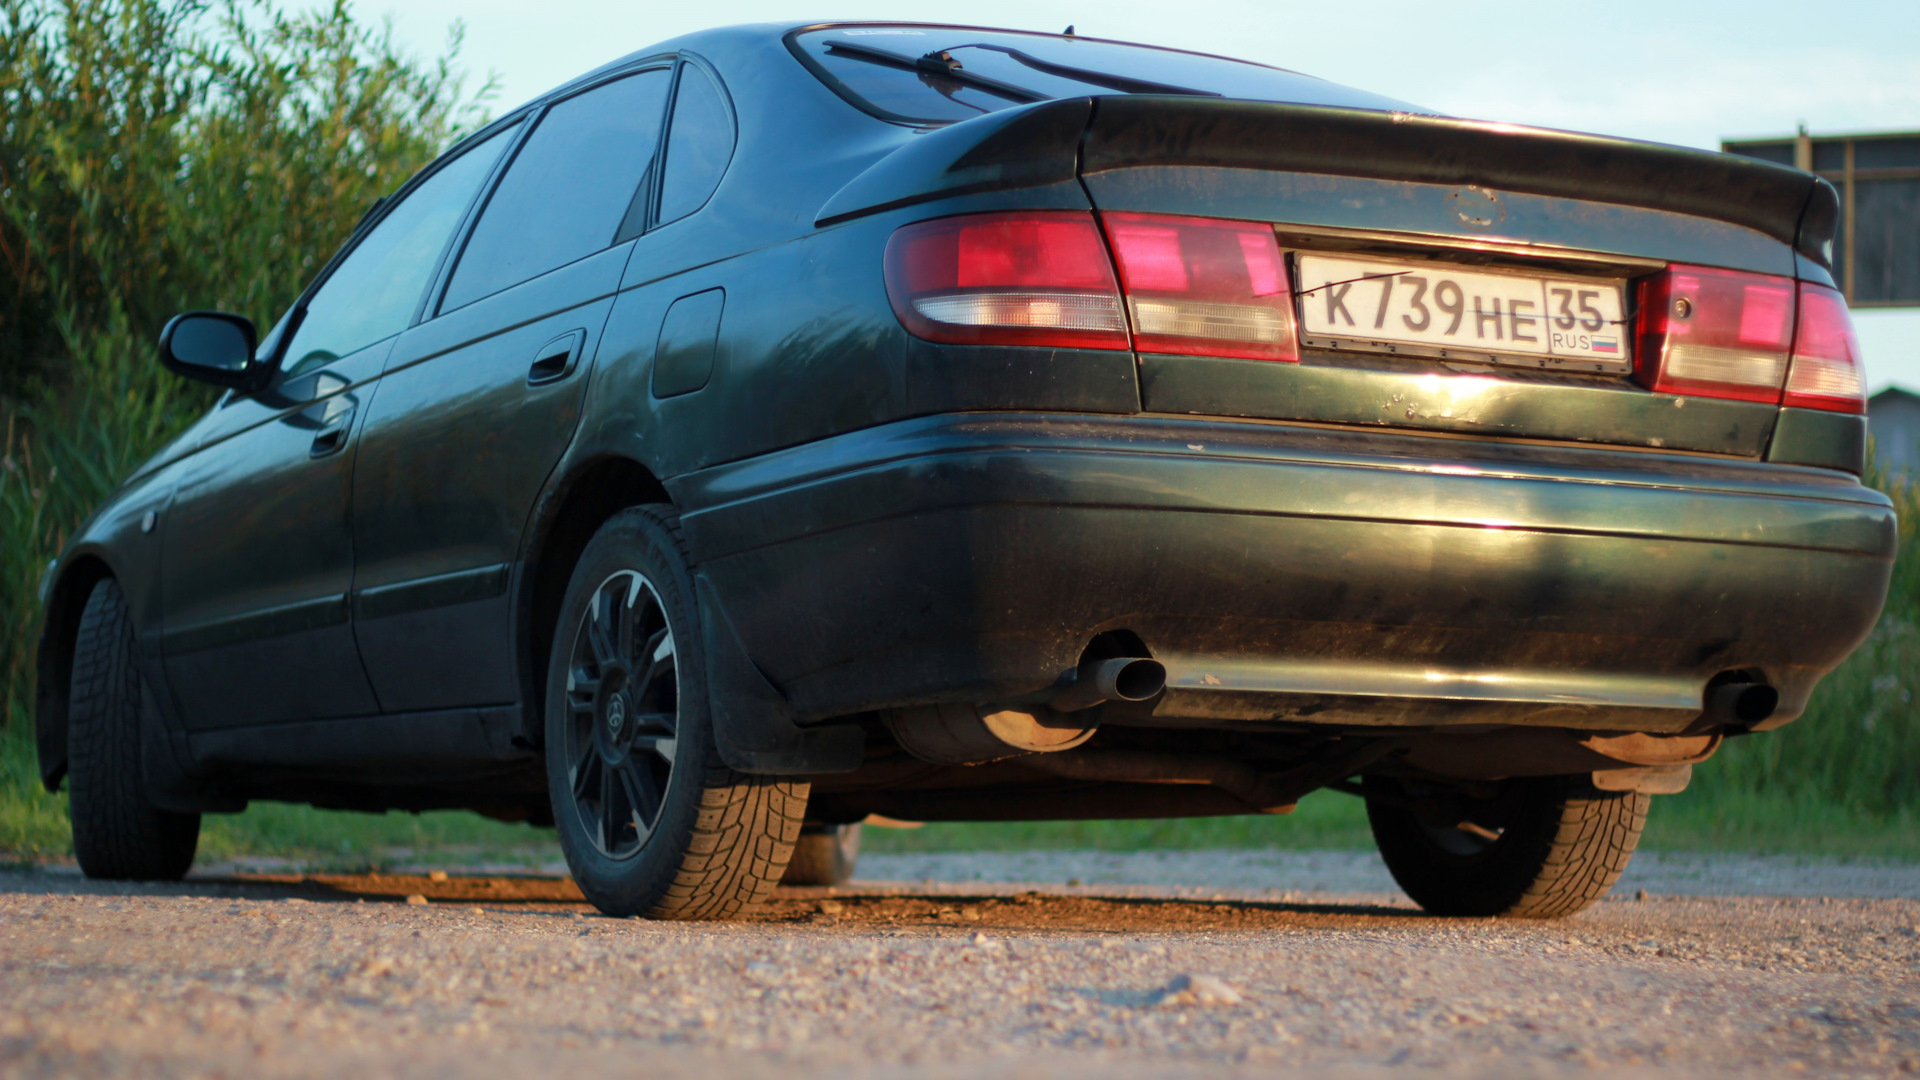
(1826, 371)
(1038, 278)
(1716, 333)
(1195, 285)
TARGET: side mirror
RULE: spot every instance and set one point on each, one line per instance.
(211, 346)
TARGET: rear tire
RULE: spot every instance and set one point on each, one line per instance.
(652, 822)
(824, 855)
(117, 833)
(1542, 848)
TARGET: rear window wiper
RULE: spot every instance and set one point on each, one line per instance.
(1126, 84)
(938, 65)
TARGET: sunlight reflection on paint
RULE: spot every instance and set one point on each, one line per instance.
(1489, 678)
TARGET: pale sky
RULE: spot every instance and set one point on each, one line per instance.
(1673, 71)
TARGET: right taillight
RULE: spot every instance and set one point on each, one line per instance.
(1204, 286)
(1750, 337)
(1826, 371)
(1716, 333)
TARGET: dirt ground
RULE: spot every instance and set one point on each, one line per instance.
(287, 975)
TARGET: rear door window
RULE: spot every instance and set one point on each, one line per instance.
(569, 189)
(372, 294)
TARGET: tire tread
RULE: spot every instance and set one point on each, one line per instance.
(117, 832)
(1567, 853)
(1596, 836)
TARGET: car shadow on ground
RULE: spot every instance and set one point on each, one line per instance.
(855, 906)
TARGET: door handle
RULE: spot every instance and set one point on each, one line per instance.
(556, 359)
(333, 434)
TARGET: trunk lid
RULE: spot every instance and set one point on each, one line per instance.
(1344, 184)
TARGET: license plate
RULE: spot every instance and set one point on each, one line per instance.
(1454, 313)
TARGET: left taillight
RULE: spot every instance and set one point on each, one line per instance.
(1707, 332)
(1199, 286)
(1036, 278)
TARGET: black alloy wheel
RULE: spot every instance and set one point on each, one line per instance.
(623, 702)
(652, 821)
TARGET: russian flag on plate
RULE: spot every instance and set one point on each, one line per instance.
(1606, 345)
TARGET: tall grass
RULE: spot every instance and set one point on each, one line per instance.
(155, 156)
(1846, 775)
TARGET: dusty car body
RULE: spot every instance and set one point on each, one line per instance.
(939, 481)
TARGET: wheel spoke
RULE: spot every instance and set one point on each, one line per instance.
(659, 646)
(652, 675)
(640, 797)
(581, 772)
(663, 747)
(654, 723)
(597, 638)
(583, 680)
(611, 801)
(623, 629)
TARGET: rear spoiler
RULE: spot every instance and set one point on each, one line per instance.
(1786, 204)
(1051, 141)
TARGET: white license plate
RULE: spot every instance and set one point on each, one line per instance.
(1454, 313)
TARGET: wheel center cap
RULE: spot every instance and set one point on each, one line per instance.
(616, 715)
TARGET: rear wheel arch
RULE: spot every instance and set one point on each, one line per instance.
(573, 510)
(53, 674)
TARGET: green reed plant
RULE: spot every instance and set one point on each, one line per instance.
(156, 156)
(1851, 763)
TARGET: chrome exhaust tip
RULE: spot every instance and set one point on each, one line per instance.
(1123, 678)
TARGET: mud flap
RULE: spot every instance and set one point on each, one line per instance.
(1647, 779)
(752, 723)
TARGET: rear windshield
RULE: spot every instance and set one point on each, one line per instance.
(933, 75)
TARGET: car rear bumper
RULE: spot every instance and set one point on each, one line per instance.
(1285, 572)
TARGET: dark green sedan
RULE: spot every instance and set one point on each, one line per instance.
(787, 425)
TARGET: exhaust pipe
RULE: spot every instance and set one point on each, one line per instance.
(955, 734)
(1124, 678)
(1741, 704)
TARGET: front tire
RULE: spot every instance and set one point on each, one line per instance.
(652, 822)
(1540, 848)
(117, 833)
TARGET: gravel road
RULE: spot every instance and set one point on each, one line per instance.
(262, 975)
